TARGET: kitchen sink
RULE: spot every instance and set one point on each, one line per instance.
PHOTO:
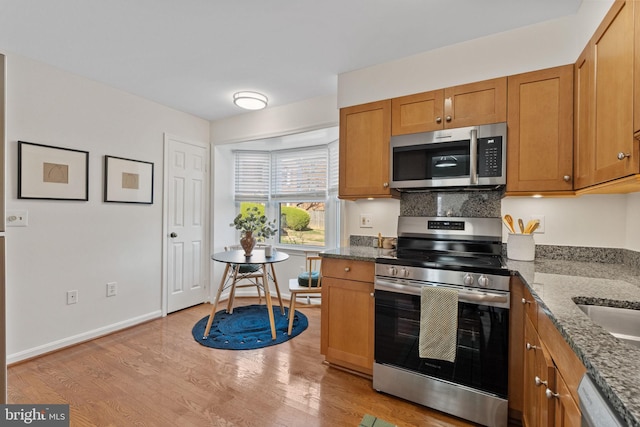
(622, 323)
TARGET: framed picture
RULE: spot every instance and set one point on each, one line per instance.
(127, 181)
(46, 172)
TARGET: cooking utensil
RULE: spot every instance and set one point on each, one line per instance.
(531, 226)
(521, 225)
(508, 222)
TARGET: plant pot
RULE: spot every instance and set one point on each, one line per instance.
(248, 242)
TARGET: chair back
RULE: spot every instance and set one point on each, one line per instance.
(312, 277)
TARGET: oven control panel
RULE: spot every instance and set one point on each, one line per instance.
(451, 277)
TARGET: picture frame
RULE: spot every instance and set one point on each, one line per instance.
(52, 173)
(128, 180)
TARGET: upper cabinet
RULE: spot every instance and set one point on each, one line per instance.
(605, 145)
(365, 132)
(540, 125)
(459, 106)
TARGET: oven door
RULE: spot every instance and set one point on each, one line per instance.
(482, 338)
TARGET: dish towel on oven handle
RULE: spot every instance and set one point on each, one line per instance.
(438, 323)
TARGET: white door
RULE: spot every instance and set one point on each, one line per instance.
(187, 189)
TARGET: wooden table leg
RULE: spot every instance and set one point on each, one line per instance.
(275, 282)
(215, 303)
(232, 292)
(267, 294)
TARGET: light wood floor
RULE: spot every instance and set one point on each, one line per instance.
(156, 375)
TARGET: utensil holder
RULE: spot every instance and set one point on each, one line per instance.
(521, 247)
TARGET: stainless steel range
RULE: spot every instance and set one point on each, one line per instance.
(455, 253)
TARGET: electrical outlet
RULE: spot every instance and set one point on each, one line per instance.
(539, 217)
(72, 297)
(366, 221)
(112, 289)
(17, 218)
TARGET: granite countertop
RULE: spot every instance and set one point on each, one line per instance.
(613, 364)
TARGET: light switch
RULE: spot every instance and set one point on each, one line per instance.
(17, 218)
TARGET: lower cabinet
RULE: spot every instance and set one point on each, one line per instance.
(549, 368)
(347, 320)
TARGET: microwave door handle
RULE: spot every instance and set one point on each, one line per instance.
(473, 157)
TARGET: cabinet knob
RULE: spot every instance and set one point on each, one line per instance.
(567, 178)
(438, 119)
(385, 184)
(622, 156)
(371, 294)
(448, 118)
(531, 347)
(550, 394)
(524, 301)
(539, 382)
(347, 269)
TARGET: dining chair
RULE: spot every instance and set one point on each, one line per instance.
(308, 283)
(243, 276)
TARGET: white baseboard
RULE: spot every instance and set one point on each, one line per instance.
(85, 336)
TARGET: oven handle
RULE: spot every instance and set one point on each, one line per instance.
(493, 299)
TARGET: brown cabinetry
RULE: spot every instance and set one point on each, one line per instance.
(605, 145)
(540, 141)
(346, 337)
(464, 105)
(365, 131)
(546, 370)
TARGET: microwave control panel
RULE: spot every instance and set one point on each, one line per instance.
(490, 156)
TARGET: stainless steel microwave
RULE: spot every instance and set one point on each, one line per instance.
(473, 156)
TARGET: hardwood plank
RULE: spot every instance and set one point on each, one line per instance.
(155, 374)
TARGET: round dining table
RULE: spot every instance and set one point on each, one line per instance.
(233, 260)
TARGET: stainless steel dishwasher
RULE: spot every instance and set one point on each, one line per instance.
(596, 410)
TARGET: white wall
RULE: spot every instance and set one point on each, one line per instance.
(535, 47)
(83, 245)
(592, 221)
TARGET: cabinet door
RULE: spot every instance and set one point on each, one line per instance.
(531, 404)
(613, 73)
(476, 103)
(567, 411)
(545, 380)
(540, 141)
(365, 131)
(583, 124)
(421, 112)
(347, 324)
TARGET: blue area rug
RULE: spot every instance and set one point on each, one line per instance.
(248, 328)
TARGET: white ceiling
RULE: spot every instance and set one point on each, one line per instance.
(192, 55)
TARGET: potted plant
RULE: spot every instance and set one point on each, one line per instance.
(254, 226)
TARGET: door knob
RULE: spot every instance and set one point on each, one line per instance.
(173, 235)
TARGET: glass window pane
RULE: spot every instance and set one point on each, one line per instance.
(302, 223)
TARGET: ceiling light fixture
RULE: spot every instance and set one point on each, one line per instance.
(250, 100)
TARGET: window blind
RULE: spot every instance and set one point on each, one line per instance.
(300, 174)
(334, 168)
(252, 171)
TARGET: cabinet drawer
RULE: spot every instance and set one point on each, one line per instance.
(362, 271)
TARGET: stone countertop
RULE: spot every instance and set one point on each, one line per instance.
(357, 253)
(613, 364)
